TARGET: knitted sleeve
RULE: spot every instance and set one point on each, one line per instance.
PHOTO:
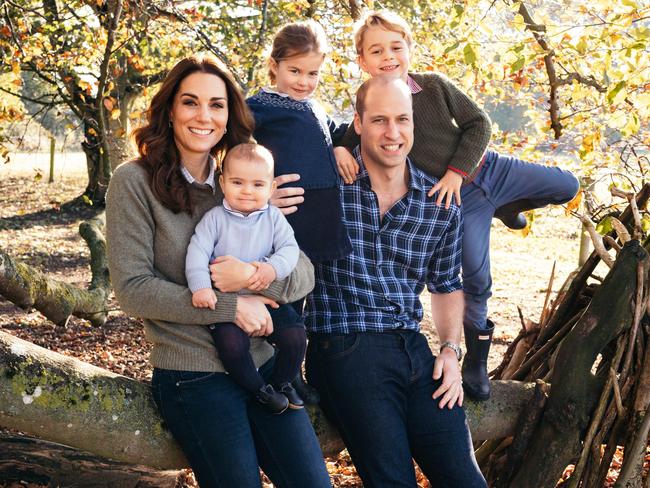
(337, 131)
(285, 248)
(350, 139)
(199, 251)
(140, 289)
(471, 120)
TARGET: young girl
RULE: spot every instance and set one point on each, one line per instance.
(300, 135)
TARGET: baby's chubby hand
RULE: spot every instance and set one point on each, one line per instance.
(204, 298)
(263, 276)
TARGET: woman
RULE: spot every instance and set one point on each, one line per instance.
(153, 205)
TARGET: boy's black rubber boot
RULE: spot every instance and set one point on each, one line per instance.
(511, 213)
(308, 393)
(287, 390)
(475, 377)
(274, 401)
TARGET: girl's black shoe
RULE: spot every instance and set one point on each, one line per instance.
(274, 401)
(288, 391)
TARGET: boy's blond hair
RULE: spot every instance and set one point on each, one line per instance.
(386, 20)
(249, 151)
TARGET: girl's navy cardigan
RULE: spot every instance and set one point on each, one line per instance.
(300, 136)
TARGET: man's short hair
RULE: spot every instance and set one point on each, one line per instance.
(249, 151)
(383, 80)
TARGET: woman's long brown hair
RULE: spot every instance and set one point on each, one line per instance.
(155, 140)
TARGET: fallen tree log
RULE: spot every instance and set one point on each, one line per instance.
(29, 288)
(47, 463)
(67, 401)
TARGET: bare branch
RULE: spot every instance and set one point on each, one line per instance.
(50, 103)
(583, 80)
(597, 240)
(103, 77)
(554, 81)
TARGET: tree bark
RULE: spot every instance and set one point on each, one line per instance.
(575, 389)
(65, 400)
(57, 300)
(42, 462)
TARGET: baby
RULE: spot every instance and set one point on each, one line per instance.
(247, 227)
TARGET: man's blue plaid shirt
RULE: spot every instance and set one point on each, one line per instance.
(377, 287)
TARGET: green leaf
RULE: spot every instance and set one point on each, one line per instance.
(604, 226)
(452, 47)
(518, 64)
(470, 54)
(614, 91)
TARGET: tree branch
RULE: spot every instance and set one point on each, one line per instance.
(549, 63)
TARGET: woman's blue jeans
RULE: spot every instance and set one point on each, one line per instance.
(377, 389)
(227, 436)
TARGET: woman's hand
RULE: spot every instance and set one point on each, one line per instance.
(287, 199)
(252, 316)
(230, 274)
(346, 164)
(449, 186)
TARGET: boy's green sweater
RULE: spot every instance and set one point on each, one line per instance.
(147, 244)
(450, 128)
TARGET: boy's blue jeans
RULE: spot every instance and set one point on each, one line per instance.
(226, 435)
(376, 387)
(502, 180)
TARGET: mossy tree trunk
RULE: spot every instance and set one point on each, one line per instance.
(64, 400)
(29, 288)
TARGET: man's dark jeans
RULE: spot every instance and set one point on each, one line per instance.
(377, 388)
(226, 434)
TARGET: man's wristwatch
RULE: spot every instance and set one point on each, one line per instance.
(454, 347)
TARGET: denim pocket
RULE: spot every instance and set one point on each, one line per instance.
(339, 346)
(188, 379)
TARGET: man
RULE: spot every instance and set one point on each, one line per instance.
(391, 399)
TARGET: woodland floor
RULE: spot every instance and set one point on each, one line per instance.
(38, 228)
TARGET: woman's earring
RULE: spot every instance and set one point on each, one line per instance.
(170, 123)
(225, 130)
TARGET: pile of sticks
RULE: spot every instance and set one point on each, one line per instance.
(587, 355)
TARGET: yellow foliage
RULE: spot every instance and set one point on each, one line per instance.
(574, 204)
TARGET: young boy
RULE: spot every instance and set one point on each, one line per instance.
(247, 227)
(451, 136)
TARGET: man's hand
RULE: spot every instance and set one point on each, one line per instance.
(204, 298)
(263, 277)
(346, 164)
(252, 316)
(451, 389)
(287, 199)
(230, 274)
(449, 186)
